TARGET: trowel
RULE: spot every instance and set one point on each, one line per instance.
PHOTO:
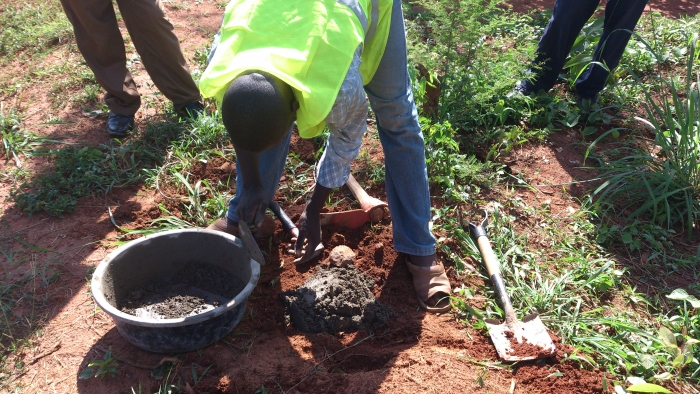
(514, 340)
(373, 210)
(287, 223)
(249, 244)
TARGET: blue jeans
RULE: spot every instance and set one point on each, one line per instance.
(568, 18)
(406, 183)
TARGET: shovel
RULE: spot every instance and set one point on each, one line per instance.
(514, 340)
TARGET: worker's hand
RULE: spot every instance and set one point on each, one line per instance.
(308, 244)
(252, 206)
(309, 234)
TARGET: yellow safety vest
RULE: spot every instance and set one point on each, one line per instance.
(309, 44)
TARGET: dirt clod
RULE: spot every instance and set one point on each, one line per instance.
(341, 256)
(333, 300)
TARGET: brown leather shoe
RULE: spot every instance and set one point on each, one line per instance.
(430, 283)
(229, 227)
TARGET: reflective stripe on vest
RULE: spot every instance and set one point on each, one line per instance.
(359, 12)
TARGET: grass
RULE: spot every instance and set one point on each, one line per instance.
(579, 271)
(28, 277)
(77, 172)
(582, 291)
(33, 28)
(661, 181)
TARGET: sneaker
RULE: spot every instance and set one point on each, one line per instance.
(119, 126)
(191, 111)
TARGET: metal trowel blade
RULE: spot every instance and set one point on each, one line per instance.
(349, 219)
(251, 247)
(530, 330)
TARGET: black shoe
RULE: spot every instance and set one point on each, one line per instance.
(119, 126)
(191, 111)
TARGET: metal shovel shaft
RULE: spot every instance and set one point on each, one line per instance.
(530, 336)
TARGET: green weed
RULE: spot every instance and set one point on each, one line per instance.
(661, 182)
(108, 366)
(77, 172)
(459, 175)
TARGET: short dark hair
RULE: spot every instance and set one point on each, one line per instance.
(258, 109)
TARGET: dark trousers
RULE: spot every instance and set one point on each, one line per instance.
(101, 44)
(568, 18)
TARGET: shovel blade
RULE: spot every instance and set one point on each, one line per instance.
(528, 340)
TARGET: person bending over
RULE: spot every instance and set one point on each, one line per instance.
(315, 63)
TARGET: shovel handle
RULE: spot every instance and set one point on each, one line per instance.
(494, 269)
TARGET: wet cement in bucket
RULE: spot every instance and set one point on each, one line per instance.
(195, 289)
(333, 300)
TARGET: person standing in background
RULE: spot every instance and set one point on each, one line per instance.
(568, 18)
(100, 42)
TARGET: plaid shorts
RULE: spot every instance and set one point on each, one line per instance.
(347, 123)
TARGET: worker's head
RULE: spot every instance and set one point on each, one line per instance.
(258, 109)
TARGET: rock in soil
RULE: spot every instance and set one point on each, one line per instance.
(341, 256)
(334, 300)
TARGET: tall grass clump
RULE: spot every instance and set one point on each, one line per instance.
(661, 182)
(468, 55)
(456, 79)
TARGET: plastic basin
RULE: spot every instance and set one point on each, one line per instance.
(154, 257)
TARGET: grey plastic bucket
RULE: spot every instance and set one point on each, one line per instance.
(146, 259)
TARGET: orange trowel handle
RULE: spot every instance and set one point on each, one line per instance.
(493, 267)
(374, 206)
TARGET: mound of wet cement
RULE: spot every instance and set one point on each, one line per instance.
(335, 299)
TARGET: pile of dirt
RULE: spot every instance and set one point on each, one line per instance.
(559, 373)
(527, 349)
(195, 289)
(335, 300)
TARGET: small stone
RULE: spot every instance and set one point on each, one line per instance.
(341, 256)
